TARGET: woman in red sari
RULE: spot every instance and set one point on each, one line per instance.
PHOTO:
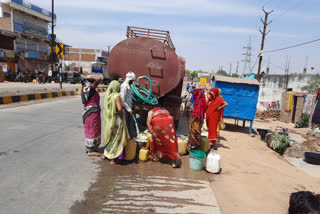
(214, 114)
(196, 121)
(164, 141)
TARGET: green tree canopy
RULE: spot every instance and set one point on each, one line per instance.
(222, 73)
(194, 74)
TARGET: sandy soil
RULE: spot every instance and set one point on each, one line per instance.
(255, 179)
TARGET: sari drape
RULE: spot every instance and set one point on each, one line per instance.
(164, 141)
(213, 116)
(196, 121)
(91, 116)
(115, 130)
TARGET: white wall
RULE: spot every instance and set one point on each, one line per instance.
(272, 86)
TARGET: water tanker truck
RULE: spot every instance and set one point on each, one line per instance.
(150, 53)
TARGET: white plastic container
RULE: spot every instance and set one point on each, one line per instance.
(182, 145)
(213, 162)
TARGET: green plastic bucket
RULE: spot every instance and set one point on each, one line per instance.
(197, 158)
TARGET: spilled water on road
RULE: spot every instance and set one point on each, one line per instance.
(140, 187)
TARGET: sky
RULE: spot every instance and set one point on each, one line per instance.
(209, 33)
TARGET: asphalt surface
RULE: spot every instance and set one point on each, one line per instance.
(44, 169)
(43, 166)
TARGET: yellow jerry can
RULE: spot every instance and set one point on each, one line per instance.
(144, 154)
(131, 150)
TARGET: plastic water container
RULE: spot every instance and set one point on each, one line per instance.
(131, 150)
(197, 160)
(182, 145)
(205, 145)
(144, 154)
(213, 162)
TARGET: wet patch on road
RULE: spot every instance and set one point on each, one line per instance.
(148, 188)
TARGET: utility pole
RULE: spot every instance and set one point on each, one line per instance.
(230, 69)
(247, 59)
(286, 72)
(237, 68)
(268, 66)
(306, 66)
(265, 24)
(52, 37)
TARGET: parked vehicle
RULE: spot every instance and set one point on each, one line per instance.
(100, 69)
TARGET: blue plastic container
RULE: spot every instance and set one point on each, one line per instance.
(197, 158)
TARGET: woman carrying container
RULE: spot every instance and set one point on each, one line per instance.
(116, 134)
(196, 120)
(91, 114)
(164, 141)
(214, 114)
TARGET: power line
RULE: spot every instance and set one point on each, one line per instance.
(254, 63)
(293, 46)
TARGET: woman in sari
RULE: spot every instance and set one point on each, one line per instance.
(116, 134)
(315, 119)
(164, 141)
(214, 114)
(196, 120)
(91, 114)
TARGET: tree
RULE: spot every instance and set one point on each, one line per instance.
(194, 74)
(188, 72)
(234, 75)
(312, 86)
(222, 73)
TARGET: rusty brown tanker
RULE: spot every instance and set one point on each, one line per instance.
(149, 52)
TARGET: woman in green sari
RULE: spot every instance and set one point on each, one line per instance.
(116, 134)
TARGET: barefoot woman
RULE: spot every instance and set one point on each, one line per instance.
(116, 134)
(214, 114)
(91, 114)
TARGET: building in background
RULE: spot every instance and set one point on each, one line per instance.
(89, 60)
(24, 27)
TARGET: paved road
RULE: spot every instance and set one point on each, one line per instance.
(43, 169)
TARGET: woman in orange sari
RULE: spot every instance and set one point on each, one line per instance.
(164, 141)
(214, 114)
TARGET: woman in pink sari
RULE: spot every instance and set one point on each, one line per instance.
(91, 114)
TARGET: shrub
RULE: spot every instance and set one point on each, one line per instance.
(283, 142)
(303, 122)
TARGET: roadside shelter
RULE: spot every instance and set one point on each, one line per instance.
(241, 95)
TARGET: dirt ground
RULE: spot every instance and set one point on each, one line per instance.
(255, 179)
